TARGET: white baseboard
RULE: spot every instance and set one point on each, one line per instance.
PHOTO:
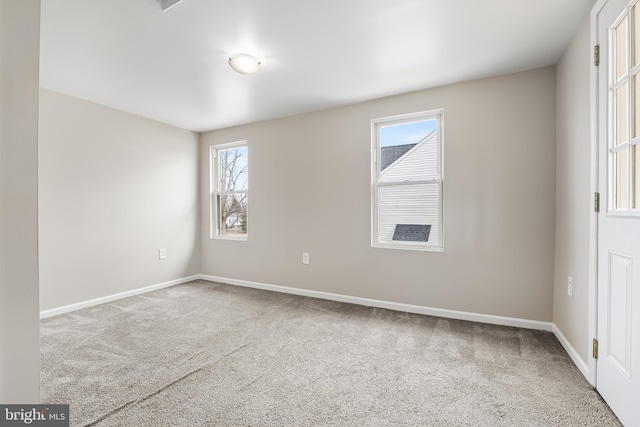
(573, 354)
(73, 307)
(409, 308)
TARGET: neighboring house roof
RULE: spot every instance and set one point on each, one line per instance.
(393, 153)
(389, 155)
(412, 233)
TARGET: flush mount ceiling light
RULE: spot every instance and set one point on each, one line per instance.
(245, 64)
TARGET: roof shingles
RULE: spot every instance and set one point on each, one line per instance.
(392, 153)
(412, 233)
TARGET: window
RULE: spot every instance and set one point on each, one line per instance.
(624, 95)
(229, 191)
(407, 181)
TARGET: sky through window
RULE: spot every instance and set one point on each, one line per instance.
(406, 133)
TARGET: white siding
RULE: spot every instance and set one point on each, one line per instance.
(408, 204)
(421, 162)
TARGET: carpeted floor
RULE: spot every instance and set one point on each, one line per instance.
(207, 354)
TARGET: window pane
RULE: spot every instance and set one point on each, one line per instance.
(409, 151)
(232, 169)
(622, 180)
(636, 106)
(405, 210)
(232, 218)
(636, 175)
(621, 114)
(621, 49)
(635, 46)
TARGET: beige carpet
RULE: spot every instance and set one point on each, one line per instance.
(207, 354)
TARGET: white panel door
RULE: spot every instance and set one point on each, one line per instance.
(618, 367)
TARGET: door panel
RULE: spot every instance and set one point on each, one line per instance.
(620, 315)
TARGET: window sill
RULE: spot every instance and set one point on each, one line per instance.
(234, 238)
(407, 247)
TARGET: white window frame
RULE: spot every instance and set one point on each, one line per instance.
(376, 125)
(214, 232)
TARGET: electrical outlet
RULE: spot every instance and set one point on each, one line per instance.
(162, 253)
(570, 286)
(305, 258)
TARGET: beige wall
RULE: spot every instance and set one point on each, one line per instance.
(114, 188)
(19, 331)
(573, 197)
(310, 192)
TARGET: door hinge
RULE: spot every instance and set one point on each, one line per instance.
(596, 202)
(596, 55)
(595, 348)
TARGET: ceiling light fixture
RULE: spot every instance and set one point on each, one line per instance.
(245, 64)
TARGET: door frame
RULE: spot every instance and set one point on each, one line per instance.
(593, 218)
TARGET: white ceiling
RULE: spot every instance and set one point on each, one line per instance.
(172, 66)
